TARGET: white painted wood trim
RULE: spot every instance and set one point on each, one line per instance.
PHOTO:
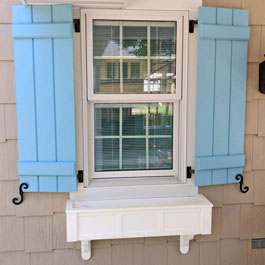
(180, 108)
(131, 218)
(81, 3)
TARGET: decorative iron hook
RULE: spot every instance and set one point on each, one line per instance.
(245, 189)
(18, 201)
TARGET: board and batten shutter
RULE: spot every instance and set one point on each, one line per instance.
(43, 47)
(221, 94)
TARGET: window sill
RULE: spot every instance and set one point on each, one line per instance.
(131, 218)
(137, 188)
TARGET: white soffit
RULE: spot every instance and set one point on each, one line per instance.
(163, 5)
(126, 4)
(81, 3)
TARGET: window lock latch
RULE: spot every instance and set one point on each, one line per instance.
(190, 171)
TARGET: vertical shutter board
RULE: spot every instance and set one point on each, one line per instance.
(62, 13)
(32, 181)
(238, 94)
(51, 99)
(222, 95)
(22, 14)
(41, 13)
(64, 96)
(220, 133)
(25, 95)
(205, 97)
(45, 103)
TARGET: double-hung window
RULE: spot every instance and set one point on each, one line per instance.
(135, 105)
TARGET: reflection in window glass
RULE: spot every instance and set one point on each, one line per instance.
(133, 136)
(111, 70)
(134, 57)
(135, 70)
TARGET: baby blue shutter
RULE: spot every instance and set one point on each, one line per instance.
(43, 44)
(221, 94)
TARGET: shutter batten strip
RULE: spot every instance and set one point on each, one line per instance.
(46, 168)
(219, 162)
(42, 31)
(223, 32)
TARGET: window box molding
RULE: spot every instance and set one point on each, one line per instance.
(131, 218)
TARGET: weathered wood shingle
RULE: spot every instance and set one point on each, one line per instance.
(7, 193)
(59, 232)
(2, 124)
(230, 221)
(14, 258)
(36, 204)
(6, 43)
(10, 121)
(210, 253)
(11, 233)
(7, 82)
(38, 234)
(234, 252)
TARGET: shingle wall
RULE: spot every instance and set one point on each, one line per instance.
(34, 232)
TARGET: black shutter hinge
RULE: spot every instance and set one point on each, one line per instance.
(192, 23)
(76, 22)
(190, 171)
(80, 176)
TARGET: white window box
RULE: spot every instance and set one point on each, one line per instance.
(131, 218)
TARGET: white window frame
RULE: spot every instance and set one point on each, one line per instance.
(181, 17)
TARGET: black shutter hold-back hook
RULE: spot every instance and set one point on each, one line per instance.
(245, 189)
(22, 186)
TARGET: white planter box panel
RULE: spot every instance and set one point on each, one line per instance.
(130, 218)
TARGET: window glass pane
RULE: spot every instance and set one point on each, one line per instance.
(107, 154)
(160, 152)
(111, 70)
(107, 121)
(162, 78)
(134, 57)
(106, 38)
(134, 41)
(135, 70)
(138, 77)
(161, 119)
(124, 70)
(133, 154)
(163, 39)
(133, 136)
(107, 79)
(133, 119)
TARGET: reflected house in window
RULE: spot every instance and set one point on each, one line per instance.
(134, 57)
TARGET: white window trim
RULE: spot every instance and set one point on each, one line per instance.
(86, 40)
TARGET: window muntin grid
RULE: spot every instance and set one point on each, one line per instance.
(151, 45)
(133, 137)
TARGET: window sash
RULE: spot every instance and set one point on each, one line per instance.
(174, 172)
(148, 96)
(148, 57)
